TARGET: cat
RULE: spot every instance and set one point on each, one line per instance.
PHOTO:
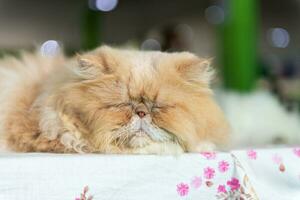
(109, 100)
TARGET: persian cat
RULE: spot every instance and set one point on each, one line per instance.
(109, 101)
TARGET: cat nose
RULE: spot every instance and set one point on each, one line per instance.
(140, 113)
(141, 110)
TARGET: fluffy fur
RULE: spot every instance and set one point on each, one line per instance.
(90, 103)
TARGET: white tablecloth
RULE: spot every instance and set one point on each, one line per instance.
(250, 174)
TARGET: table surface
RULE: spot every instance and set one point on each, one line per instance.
(252, 174)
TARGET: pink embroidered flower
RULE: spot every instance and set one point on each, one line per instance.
(277, 159)
(182, 189)
(209, 173)
(196, 182)
(297, 151)
(234, 184)
(252, 154)
(209, 155)
(83, 196)
(223, 166)
(221, 188)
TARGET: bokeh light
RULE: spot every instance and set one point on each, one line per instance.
(50, 48)
(151, 44)
(278, 37)
(185, 31)
(103, 5)
(214, 14)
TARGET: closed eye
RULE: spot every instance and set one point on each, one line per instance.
(157, 106)
(117, 105)
(160, 106)
(125, 104)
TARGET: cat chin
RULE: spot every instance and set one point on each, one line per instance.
(139, 141)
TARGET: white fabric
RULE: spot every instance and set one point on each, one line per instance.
(149, 177)
(265, 175)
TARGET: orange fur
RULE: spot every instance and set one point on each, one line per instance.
(89, 104)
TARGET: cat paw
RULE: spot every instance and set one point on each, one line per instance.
(205, 147)
(160, 149)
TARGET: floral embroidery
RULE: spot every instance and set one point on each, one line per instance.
(83, 195)
(209, 155)
(237, 191)
(233, 188)
(196, 182)
(221, 188)
(297, 151)
(282, 167)
(252, 154)
(279, 161)
(234, 184)
(223, 166)
(182, 189)
(209, 173)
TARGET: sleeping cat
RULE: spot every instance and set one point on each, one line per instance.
(109, 101)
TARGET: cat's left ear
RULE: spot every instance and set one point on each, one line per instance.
(194, 69)
(98, 62)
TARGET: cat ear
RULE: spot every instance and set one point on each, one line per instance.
(95, 63)
(194, 69)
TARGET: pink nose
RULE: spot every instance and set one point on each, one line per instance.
(141, 114)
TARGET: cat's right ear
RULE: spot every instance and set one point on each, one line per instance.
(96, 63)
(194, 69)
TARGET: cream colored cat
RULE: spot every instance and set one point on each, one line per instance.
(109, 101)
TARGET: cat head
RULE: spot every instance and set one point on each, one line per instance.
(126, 99)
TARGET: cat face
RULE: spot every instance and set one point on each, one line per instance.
(130, 99)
